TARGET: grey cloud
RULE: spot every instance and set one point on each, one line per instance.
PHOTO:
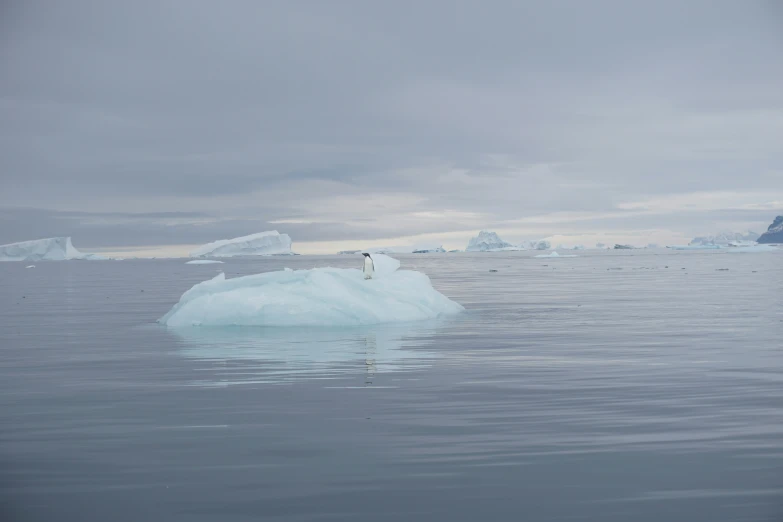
(244, 112)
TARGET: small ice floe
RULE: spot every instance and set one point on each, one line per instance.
(204, 262)
(555, 254)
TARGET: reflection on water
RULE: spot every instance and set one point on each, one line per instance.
(616, 386)
(248, 355)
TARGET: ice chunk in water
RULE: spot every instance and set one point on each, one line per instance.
(316, 297)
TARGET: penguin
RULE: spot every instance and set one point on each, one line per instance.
(369, 266)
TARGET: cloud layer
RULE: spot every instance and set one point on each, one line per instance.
(181, 122)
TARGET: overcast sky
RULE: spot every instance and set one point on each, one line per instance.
(351, 123)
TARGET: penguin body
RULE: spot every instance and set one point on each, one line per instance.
(369, 267)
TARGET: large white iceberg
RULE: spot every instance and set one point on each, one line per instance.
(316, 297)
(49, 249)
(487, 241)
(261, 244)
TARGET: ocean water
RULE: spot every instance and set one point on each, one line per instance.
(616, 386)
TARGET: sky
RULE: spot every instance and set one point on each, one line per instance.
(151, 125)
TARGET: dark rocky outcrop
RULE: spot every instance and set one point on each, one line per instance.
(774, 233)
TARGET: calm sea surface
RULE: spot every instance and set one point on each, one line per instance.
(615, 386)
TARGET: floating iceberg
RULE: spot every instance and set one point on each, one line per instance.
(750, 249)
(204, 262)
(487, 241)
(316, 297)
(348, 252)
(30, 266)
(575, 247)
(555, 254)
(261, 244)
(50, 249)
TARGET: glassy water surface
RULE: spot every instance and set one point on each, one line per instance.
(615, 386)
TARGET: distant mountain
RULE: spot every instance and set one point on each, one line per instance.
(774, 233)
(725, 238)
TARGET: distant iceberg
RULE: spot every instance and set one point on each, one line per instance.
(399, 249)
(428, 249)
(694, 247)
(50, 249)
(750, 249)
(316, 297)
(575, 247)
(725, 238)
(204, 262)
(389, 250)
(555, 254)
(262, 244)
(536, 245)
(487, 241)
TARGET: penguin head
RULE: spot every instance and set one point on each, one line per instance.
(365, 254)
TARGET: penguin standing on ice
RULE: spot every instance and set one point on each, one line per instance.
(369, 266)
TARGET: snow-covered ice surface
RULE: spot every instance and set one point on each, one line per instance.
(752, 249)
(315, 297)
(204, 262)
(555, 255)
(261, 244)
(49, 249)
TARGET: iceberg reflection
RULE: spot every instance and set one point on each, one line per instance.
(278, 355)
